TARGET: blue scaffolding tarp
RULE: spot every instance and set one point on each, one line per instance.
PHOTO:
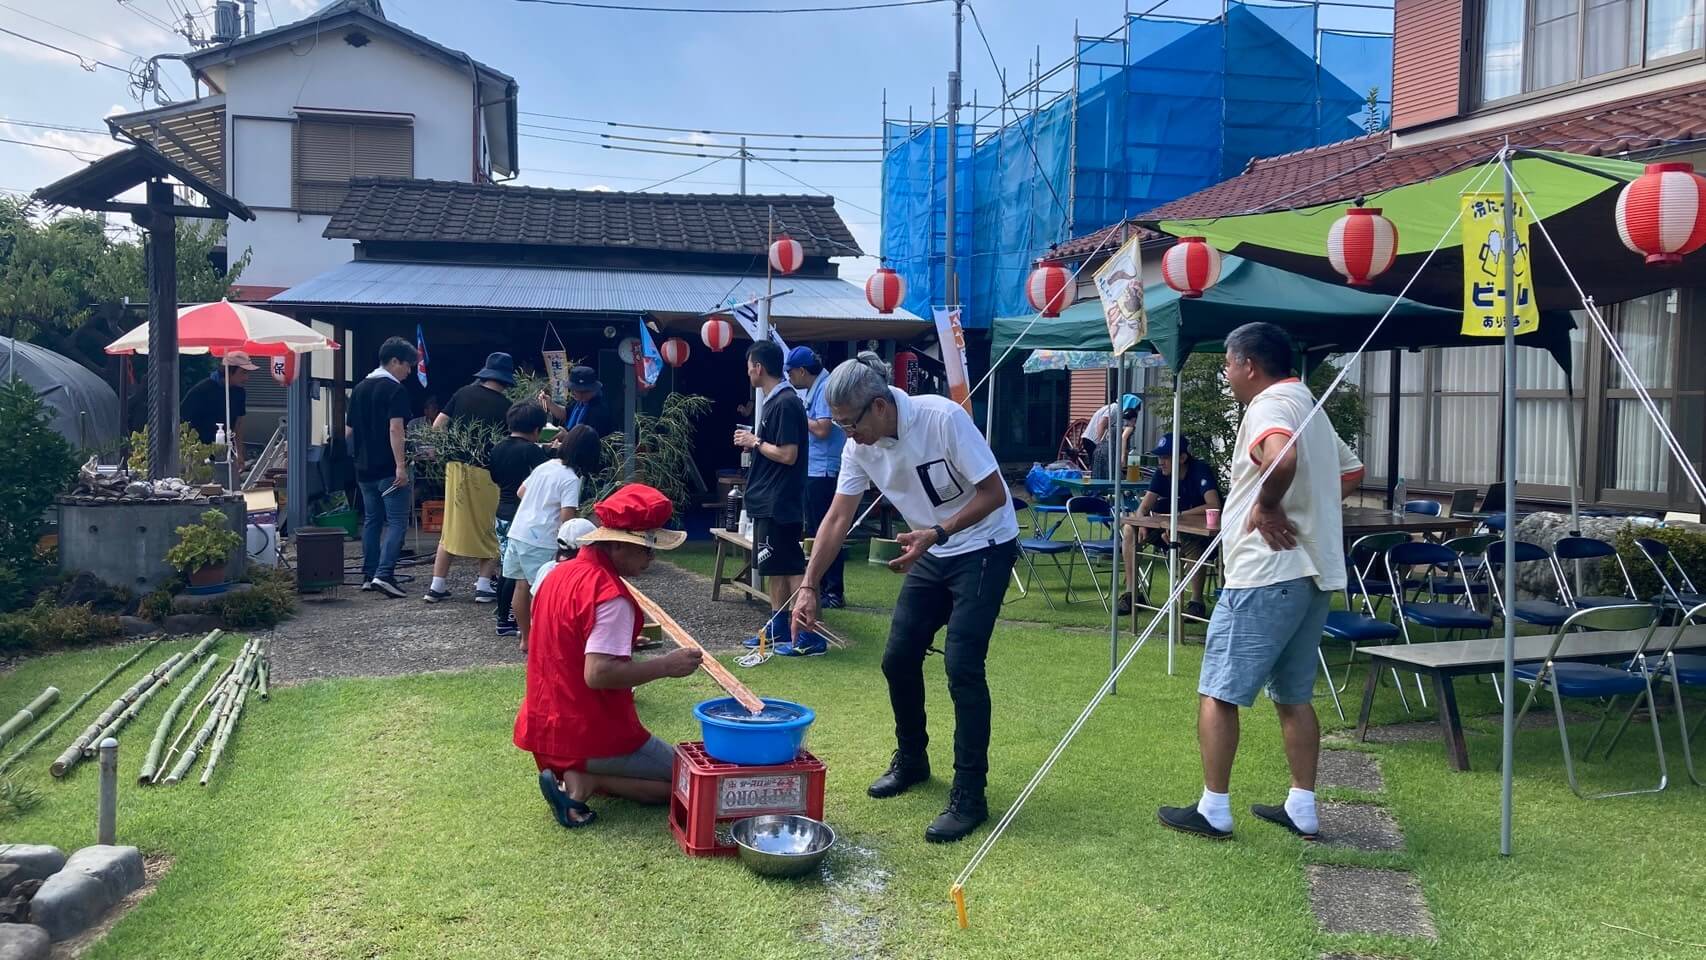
(1161, 109)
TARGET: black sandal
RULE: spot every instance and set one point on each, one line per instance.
(563, 806)
(1277, 814)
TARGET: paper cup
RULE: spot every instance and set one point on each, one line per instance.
(1211, 519)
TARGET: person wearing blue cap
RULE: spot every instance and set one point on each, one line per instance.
(1199, 492)
(823, 461)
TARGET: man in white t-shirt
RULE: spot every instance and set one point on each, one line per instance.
(1284, 555)
(926, 456)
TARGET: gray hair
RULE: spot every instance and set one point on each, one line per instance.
(857, 382)
(1264, 344)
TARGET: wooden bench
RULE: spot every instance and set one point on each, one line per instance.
(727, 541)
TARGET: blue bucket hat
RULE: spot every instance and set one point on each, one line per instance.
(499, 367)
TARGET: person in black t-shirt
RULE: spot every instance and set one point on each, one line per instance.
(203, 405)
(378, 409)
(1199, 491)
(775, 493)
(470, 496)
(510, 462)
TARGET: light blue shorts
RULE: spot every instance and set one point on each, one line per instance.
(1265, 636)
(523, 560)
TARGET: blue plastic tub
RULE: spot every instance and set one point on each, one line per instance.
(753, 742)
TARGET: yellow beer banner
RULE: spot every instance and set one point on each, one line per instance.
(1484, 250)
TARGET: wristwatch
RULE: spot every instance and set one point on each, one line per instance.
(941, 535)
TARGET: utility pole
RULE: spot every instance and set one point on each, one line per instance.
(950, 279)
(248, 18)
(743, 166)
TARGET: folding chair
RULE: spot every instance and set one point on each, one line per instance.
(1349, 627)
(1540, 613)
(1472, 578)
(1434, 614)
(1426, 508)
(1030, 548)
(1367, 577)
(1680, 595)
(1594, 681)
(1093, 510)
(1586, 548)
(1682, 670)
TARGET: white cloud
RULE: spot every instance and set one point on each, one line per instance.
(87, 146)
(600, 188)
(698, 139)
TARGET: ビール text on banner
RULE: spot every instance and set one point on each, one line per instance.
(1485, 247)
(953, 341)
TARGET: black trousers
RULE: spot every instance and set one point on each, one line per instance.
(820, 493)
(964, 594)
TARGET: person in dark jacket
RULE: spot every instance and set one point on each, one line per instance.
(588, 406)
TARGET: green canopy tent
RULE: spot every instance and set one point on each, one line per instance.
(1576, 196)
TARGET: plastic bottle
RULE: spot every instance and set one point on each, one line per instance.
(732, 505)
(219, 435)
(1400, 493)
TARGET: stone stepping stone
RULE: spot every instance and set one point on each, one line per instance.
(1350, 770)
(1360, 826)
(1408, 732)
(1369, 901)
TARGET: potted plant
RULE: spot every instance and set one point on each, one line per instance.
(204, 548)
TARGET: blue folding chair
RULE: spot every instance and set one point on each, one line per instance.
(1094, 511)
(1681, 594)
(1034, 547)
(1470, 579)
(1574, 549)
(1540, 613)
(1350, 627)
(1452, 618)
(1593, 681)
(1426, 508)
(1682, 670)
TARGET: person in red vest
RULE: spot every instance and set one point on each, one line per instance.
(577, 717)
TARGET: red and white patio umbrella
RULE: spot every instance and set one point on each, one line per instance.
(225, 327)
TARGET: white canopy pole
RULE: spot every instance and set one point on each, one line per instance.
(1510, 511)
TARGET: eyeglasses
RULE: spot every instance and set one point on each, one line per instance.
(853, 424)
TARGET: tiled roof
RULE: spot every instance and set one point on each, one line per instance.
(1367, 165)
(404, 210)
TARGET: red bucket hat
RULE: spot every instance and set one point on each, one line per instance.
(636, 514)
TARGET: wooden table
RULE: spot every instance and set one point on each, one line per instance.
(728, 540)
(1446, 659)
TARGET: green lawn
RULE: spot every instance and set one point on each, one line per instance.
(392, 818)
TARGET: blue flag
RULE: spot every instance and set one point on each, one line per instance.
(421, 365)
(649, 363)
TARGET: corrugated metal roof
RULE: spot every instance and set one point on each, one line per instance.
(370, 283)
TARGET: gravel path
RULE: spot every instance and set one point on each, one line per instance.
(348, 633)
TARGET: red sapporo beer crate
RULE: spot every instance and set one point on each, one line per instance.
(709, 795)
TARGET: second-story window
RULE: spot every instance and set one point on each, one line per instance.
(330, 149)
(1529, 45)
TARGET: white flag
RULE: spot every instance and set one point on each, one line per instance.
(747, 315)
(1120, 284)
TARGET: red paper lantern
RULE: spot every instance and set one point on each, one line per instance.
(1191, 266)
(786, 255)
(1662, 213)
(283, 368)
(717, 334)
(1046, 289)
(885, 289)
(674, 351)
(1362, 244)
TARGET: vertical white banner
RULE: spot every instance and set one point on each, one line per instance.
(953, 341)
(1119, 282)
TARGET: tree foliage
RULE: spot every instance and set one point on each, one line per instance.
(37, 467)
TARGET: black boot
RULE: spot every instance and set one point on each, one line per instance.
(967, 809)
(904, 772)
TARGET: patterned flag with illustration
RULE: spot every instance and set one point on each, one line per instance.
(649, 363)
(421, 364)
(1119, 282)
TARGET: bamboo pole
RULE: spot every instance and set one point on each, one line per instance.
(682, 638)
(136, 708)
(263, 676)
(151, 763)
(187, 759)
(47, 731)
(189, 724)
(28, 714)
(230, 691)
(74, 753)
(224, 736)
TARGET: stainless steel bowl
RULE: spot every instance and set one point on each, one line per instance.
(782, 846)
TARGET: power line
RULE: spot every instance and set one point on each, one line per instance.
(617, 136)
(700, 154)
(688, 173)
(87, 63)
(722, 133)
(52, 126)
(79, 154)
(631, 8)
(58, 26)
(1023, 124)
(817, 189)
(712, 183)
(149, 17)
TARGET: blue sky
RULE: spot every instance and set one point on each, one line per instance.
(807, 73)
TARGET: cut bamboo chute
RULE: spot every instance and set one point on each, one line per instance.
(151, 763)
(212, 692)
(74, 753)
(131, 712)
(47, 731)
(28, 714)
(225, 704)
(709, 664)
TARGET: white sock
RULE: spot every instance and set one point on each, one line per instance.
(1300, 807)
(1216, 808)
(439, 584)
(483, 583)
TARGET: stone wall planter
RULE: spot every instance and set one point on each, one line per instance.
(124, 542)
